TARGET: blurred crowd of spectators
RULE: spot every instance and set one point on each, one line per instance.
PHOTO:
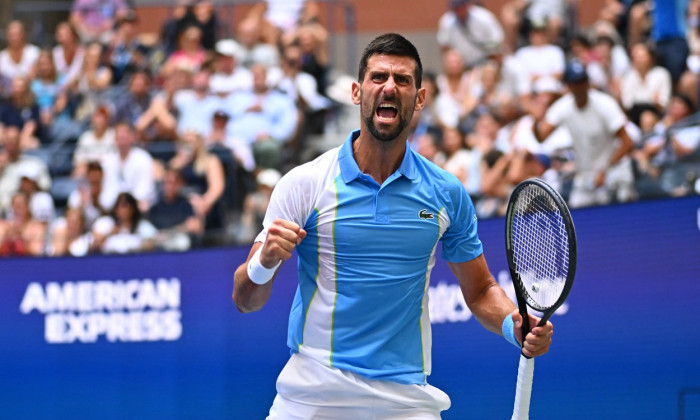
(116, 142)
(113, 141)
(605, 113)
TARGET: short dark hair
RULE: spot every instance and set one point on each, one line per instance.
(391, 44)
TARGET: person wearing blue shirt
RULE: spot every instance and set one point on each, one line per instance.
(264, 118)
(366, 219)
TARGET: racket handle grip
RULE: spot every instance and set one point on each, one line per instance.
(523, 390)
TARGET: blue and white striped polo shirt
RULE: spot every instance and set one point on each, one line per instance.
(364, 266)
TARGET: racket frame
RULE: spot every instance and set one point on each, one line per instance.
(520, 292)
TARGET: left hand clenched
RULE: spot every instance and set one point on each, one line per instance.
(538, 340)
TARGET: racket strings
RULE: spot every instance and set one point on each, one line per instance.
(540, 247)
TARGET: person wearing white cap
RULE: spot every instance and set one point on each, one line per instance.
(229, 76)
(41, 203)
(253, 49)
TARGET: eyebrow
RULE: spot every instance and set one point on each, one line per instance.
(408, 76)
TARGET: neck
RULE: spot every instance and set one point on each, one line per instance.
(376, 158)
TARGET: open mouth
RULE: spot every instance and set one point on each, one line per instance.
(387, 112)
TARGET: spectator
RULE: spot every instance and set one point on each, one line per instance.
(255, 206)
(128, 169)
(511, 79)
(195, 106)
(51, 95)
(429, 148)
(545, 92)
(668, 34)
(645, 83)
(220, 138)
(18, 58)
(460, 161)
(437, 111)
(610, 65)
(158, 122)
(125, 230)
(70, 237)
(299, 85)
(493, 185)
(204, 178)
(453, 82)
(525, 165)
(253, 49)
(180, 18)
(126, 54)
(540, 58)
(190, 54)
(312, 40)
(485, 93)
(229, 76)
(206, 20)
(178, 225)
(90, 196)
(68, 53)
(22, 111)
(518, 17)
(281, 16)
(668, 154)
(303, 89)
(41, 204)
(130, 106)
(600, 141)
(470, 29)
(264, 118)
(94, 143)
(20, 234)
(95, 79)
(95, 19)
(12, 164)
(187, 13)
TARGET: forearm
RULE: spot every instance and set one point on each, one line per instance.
(485, 298)
(249, 296)
(491, 306)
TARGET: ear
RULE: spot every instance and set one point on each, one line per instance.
(356, 98)
(420, 99)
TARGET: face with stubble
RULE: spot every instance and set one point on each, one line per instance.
(388, 96)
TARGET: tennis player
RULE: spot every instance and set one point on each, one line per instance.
(366, 219)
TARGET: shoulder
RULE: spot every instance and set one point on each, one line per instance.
(447, 20)
(602, 99)
(140, 155)
(438, 178)
(481, 13)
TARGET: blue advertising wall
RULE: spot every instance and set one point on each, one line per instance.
(157, 336)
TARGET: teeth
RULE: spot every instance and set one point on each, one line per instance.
(387, 106)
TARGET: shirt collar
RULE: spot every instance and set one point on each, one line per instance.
(350, 171)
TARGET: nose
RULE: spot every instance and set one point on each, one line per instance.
(390, 86)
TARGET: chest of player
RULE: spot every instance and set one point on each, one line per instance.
(396, 221)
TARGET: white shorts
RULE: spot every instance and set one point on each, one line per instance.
(307, 389)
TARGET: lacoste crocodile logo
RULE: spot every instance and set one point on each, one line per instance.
(423, 214)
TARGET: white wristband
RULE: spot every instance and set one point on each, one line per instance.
(257, 273)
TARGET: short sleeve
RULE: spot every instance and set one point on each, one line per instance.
(461, 242)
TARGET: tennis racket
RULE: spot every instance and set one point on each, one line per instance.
(541, 253)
